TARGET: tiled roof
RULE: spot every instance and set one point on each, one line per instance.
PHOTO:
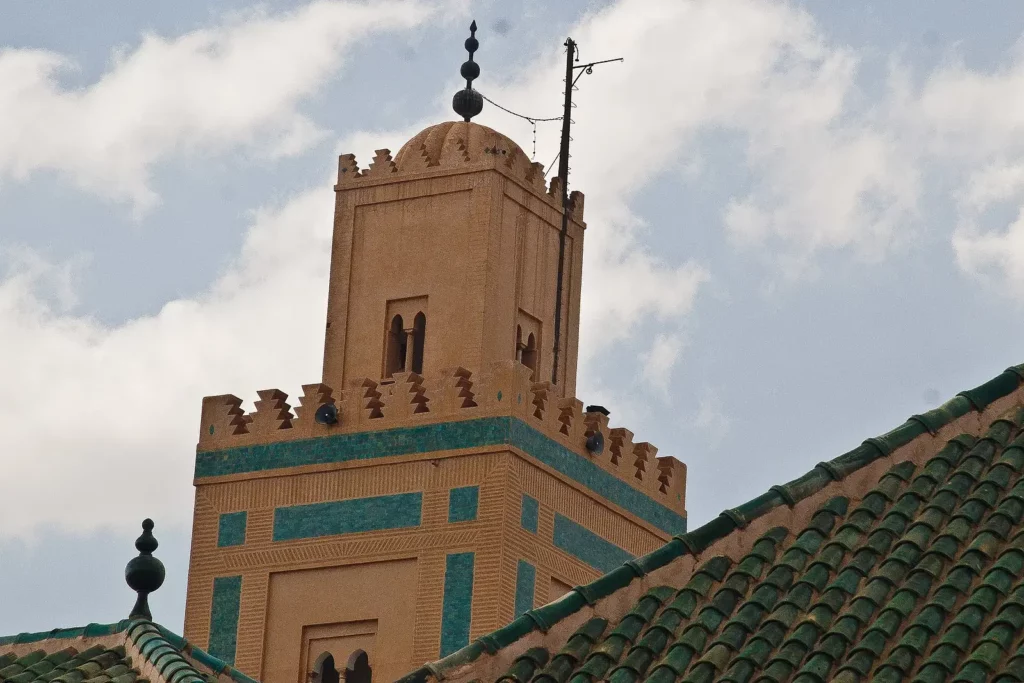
(124, 652)
(96, 664)
(914, 573)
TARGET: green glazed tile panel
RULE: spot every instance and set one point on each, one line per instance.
(584, 544)
(526, 581)
(355, 515)
(528, 516)
(583, 471)
(227, 598)
(463, 503)
(490, 431)
(457, 604)
(231, 529)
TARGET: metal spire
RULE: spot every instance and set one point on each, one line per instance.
(144, 573)
(468, 103)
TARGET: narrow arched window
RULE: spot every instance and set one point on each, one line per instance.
(519, 343)
(419, 331)
(530, 355)
(325, 671)
(358, 668)
(394, 355)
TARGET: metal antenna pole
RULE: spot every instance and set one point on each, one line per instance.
(563, 176)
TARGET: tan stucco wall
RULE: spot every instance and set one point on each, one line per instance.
(471, 238)
(359, 576)
(327, 603)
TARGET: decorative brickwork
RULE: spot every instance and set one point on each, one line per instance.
(556, 437)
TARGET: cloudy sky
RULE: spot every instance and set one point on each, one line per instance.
(806, 223)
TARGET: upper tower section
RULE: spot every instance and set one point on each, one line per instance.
(447, 255)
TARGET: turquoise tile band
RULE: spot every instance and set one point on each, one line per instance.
(585, 545)
(231, 529)
(463, 503)
(488, 431)
(529, 514)
(351, 516)
(227, 599)
(526, 582)
(457, 604)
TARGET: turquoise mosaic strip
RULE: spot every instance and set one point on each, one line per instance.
(457, 604)
(231, 529)
(351, 516)
(584, 544)
(463, 503)
(526, 581)
(488, 431)
(227, 596)
(528, 516)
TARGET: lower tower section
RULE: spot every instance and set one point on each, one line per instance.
(433, 511)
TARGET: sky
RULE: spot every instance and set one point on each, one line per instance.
(805, 223)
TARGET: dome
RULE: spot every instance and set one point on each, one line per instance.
(479, 141)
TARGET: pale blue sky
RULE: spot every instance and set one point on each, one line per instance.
(797, 342)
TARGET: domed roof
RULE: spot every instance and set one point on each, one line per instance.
(439, 140)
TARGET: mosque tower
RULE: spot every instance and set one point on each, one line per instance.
(442, 478)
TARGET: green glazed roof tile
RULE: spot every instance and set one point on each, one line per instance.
(525, 665)
(66, 662)
(911, 576)
(95, 664)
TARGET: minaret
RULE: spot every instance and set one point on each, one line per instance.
(435, 484)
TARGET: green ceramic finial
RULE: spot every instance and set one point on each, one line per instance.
(144, 573)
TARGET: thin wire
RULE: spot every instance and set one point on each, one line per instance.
(551, 165)
(522, 116)
(533, 121)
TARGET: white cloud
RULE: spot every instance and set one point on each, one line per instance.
(106, 417)
(107, 414)
(996, 256)
(659, 361)
(239, 84)
(711, 418)
(130, 392)
(972, 122)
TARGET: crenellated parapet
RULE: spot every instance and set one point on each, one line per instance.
(505, 389)
(456, 145)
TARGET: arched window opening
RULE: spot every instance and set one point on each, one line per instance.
(394, 358)
(519, 343)
(324, 671)
(419, 331)
(358, 668)
(530, 355)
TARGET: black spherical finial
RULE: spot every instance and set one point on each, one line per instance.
(144, 574)
(467, 103)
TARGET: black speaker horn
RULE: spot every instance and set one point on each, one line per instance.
(327, 414)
